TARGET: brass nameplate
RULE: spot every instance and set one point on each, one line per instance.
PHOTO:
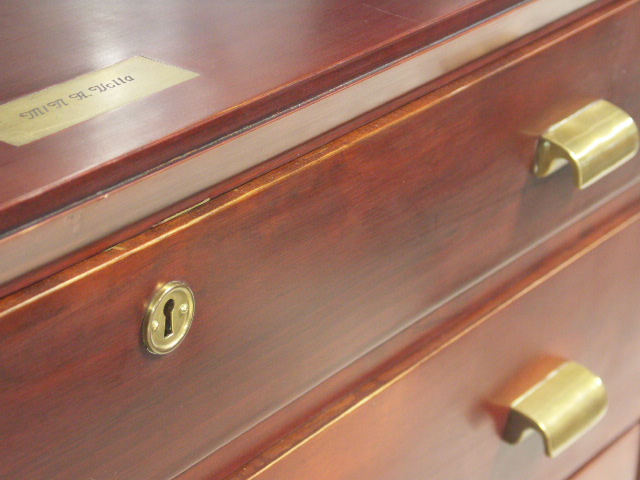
(58, 107)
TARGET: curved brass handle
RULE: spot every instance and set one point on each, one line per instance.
(595, 140)
(562, 407)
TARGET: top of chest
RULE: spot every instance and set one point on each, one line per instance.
(111, 114)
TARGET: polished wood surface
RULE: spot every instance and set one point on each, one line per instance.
(312, 266)
(255, 59)
(341, 391)
(619, 461)
(111, 216)
(190, 179)
(442, 416)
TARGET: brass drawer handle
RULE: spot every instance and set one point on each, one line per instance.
(562, 407)
(595, 140)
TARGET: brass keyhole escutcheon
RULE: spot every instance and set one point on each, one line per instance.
(168, 317)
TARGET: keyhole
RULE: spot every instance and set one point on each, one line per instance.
(168, 317)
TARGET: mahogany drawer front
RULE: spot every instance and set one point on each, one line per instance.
(302, 271)
(442, 416)
(619, 461)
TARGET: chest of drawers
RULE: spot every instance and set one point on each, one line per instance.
(373, 261)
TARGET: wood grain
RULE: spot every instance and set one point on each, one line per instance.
(255, 59)
(312, 266)
(339, 393)
(442, 416)
(113, 215)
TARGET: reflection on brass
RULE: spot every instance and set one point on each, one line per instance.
(168, 317)
(61, 106)
(562, 407)
(594, 141)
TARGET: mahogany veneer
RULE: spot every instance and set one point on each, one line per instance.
(442, 416)
(358, 309)
(255, 59)
(104, 217)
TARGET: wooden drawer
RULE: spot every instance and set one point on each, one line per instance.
(442, 416)
(619, 461)
(304, 270)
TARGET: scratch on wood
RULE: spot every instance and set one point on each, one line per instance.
(390, 13)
